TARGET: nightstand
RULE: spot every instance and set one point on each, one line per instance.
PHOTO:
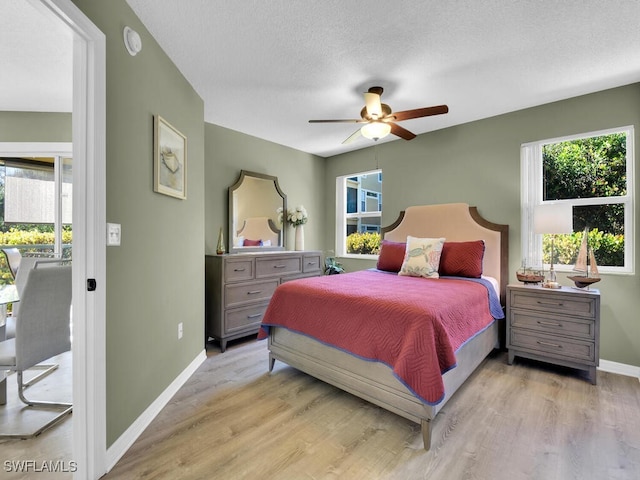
(560, 326)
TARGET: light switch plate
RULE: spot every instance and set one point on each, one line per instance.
(113, 234)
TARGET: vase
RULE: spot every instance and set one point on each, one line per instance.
(220, 249)
(299, 237)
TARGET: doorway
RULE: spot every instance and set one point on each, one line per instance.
(89, 242)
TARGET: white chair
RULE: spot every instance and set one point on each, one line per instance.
(24, 265)
(13, 257)
(42, 331)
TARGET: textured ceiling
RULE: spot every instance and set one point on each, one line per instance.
(35, 60)
(266, 67)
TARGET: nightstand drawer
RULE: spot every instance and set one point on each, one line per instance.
(552, 345)
(244, 318)
(553, 324)
(241, 294)
(568, 304)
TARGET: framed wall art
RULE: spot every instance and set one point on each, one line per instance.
(169, 160)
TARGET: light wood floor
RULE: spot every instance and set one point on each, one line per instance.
(54, 446)
(233, 420)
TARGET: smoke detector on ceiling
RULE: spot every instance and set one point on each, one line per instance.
(132, 41)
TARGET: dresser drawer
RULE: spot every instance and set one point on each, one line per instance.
(553, 324)
(243, 318)
(278, 266)
(552, 345)
(569, 304)
(239, 269)
(310, 263)
(244, 293)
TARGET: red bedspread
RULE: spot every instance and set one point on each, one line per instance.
(414, 325)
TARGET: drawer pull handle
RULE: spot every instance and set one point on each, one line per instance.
(552, 324)
(239, 269)
(551, 304)
(311, 263)
(555, 345)
(279, 266)
(255, 315)
(254, 292)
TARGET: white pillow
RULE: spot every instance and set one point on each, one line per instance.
(239, 241)
(422, 257)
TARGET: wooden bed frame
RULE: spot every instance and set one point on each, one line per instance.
(374, 381)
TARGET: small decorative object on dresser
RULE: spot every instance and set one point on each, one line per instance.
(585, 264)
(560, 326)
(220, 249)
(529, 275)
(238, 288)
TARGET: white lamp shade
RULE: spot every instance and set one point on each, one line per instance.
(375, 130)
(553, 218)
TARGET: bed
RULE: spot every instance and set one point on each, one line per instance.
(385, 371)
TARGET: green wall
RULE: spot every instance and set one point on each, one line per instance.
(35, 127)
(155, 279)
(479, 163)
(299, 175)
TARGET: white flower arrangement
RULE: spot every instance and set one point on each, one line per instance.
(297, 216)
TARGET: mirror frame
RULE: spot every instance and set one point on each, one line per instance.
(232, 217)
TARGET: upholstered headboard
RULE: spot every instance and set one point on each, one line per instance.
(260, 228)
(457, 222)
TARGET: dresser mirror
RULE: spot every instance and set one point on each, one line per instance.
(254, 216)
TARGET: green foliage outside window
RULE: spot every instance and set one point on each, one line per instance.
(588, 168)
(608, 248)
(42, 242)
(364, 243)
(593, 167)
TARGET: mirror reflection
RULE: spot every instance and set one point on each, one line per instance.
(255, 224)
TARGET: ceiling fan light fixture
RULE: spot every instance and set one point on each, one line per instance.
(375, 130)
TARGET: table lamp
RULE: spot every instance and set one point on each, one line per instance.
(552, 218)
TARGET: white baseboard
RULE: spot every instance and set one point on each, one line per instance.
(124, 442)
(619, 368)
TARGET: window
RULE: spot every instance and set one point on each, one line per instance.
(36, 203)
(358, 213)
(593, 173)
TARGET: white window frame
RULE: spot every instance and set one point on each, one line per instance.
(58, 159)
(531, 188)
(341, 214)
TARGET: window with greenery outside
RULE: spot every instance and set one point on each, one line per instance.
(591, 172)
(359, 198)
(32, 238)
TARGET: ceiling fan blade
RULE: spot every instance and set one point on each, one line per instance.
(373, 105)
(420, 112)
(401, 132)
(353, 137)
(359, 120)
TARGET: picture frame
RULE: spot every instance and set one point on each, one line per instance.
(169, 160)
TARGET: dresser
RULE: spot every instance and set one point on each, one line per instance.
(560, 326)
(238, 288)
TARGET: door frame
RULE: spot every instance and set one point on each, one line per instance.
(89, 237)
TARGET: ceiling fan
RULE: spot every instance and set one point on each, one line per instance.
(380, 121)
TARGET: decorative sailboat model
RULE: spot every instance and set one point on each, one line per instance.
(585, 264)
